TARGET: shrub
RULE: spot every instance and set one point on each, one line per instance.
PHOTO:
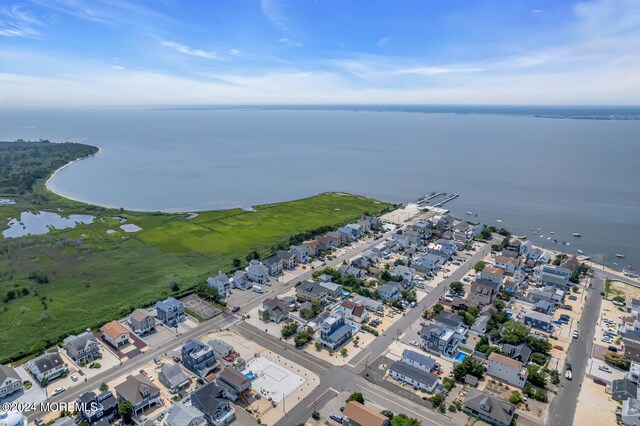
(315, 415)
(617, 360)
(437, 399)
(356, 396)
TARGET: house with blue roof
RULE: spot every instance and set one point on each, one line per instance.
(543, 306)
(170, 311)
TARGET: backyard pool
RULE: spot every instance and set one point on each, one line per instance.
(250, 376)
(461, 356)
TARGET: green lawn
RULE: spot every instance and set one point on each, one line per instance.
(94, 277)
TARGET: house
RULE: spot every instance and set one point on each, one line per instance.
(211, 400)
(442, 248)
(241, 281)
(365, 224)
(288, 259)
(357, 231)
(357, 414)
(312, 247)
(375, 223)
(300, 253)
(631, 346)
(334, 291)
(480, 325)
(506, 369)
(140, 392)
(370, 304)
(415, 377)
(142, 321)
(427, 262)
(548, 294)
(174, 379)
(170, 311)
(198, 357)
(354, 311)
(492, 274)
(464, 304)
(405, 272)
(439, 340)
(539, 321)
(61, 421)
(623, 389)
(553, 280)
(418, 360)
(10, 381)
(345, 235)
(451, 321)
(443, 222)
(543, 307)
(274, 264)
(558, 270)
(221, 349)
(484, 291)
(388, 292)
(334, 331)
(404, 285)
(350, 270)
(257, 272)
(181, 414)
(221, 283)
(630, 412)
(235, 382)
(362, 262)
(95, 407)
(115, 334)
(326, 242)
(488, 408)
(82, 348)
(521, 352)
(47, 367)
(508, 264)
(311, 291)
(274, 310)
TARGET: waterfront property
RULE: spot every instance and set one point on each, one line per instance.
(142, 321)
(115, 334)
(83, 348)
(47, 367)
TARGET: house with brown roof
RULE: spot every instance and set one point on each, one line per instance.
(483, 291)
(142, 321)
(235, 382)
(355, 311)
(493, 274)
(507, 369)
(115, 334)
(356, 414)
(139, 391)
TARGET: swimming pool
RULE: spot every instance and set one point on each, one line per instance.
(509, 314)
(461, 356)
(250, 376)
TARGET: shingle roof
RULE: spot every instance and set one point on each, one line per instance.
(501, 359)
(448, 318)
(48, 361)
(209, 397)
(490, 406)
(140, 314)
(133, 388)
(414, 373)
(80, 342)
(364, 415)
(182, 415)
(6, 372)
(234, 378)
(418, 357)
(114, 329)
(174, 374)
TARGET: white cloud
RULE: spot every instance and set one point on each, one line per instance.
(273, 10)
(182, 48)
(384, 43)
(15, 21)
(117, 67)
(289, 42)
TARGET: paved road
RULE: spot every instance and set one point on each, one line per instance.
(563, 407)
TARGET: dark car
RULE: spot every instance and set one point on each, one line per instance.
(612, 348)
(599, 381)
(235, 309)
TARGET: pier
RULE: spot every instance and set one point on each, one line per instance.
(436, 199)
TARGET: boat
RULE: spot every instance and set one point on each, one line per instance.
(548, 238)
(630, 272)
(499, 220)
(551, 232)
(555, 241)
(470, 213)
(577, 234)
(541, 236)
(580, 251)
(621, 256)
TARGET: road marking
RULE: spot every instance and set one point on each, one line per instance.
(363, 358)
(399, 405)
(321, 395)
(284, 348)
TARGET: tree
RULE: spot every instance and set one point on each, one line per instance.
(315, 415)
(436, 400)
(318, 345)
(403, 420)
(237, 262)
(515, 398)
(479, 266)
(617, 360)
(538, 358)
(619, 299)
(289, 330)
(104, 387)
(436, 309)
(448, 383)
(539, 345)
(536, 376)
(499, 304)
(343, 351)
(468, 318)
(356, 396)
(456, 286)
(387, 413)
(469, 365)
(514, 333)
(125, 409)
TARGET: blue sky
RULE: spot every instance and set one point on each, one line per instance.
(126, 52)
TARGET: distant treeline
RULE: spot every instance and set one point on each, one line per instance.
(22, 162)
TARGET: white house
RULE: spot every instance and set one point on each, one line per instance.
(221, 283)
(10, 381)
(257, 272)
(388, 292)
(506, 369)
(427, 262)
(47, 366)
(413, 376)
(405, 272)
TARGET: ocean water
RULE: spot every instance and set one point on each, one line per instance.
(514, 164)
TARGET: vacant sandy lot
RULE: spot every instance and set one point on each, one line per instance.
(595, 407)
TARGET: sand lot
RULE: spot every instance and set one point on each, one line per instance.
(595, 407)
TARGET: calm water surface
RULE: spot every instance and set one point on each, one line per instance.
(559, 175)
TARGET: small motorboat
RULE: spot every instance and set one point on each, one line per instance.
(470, 213)
(577, 234)
(620, 256)
(499, 220)
(551, 232)
(580, 251)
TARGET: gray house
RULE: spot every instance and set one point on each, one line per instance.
(83, 348)
(488, 408)
(198, 357)
(172, 376)
(47, 367)
(235, 382)
(538, 320)
(170, 311)
(10, 381)
(221, 349)
(139, 391)
(142, 321)
(274, 310)
(414, 376)
(211, 400)
(181, 414)
(438, 339)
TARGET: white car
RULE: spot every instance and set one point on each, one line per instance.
(56, 391)
(413, 343)
(604, 368)
(575, 334)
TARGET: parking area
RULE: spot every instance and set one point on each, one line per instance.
(34, 395)
(107, 361)
(160, 336)
(200, 307)
(600, 369)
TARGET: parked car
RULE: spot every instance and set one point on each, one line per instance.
(568, 375)
(604, 368)
(157, 361)
(413, 343)
(336, 418)
(39, 422)
(74, 378)
(235, 309)
(618, 303)
(144, 373)
(573, 298)
(599, 381)
(612, 348)
(575, 334)
(57, 391)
